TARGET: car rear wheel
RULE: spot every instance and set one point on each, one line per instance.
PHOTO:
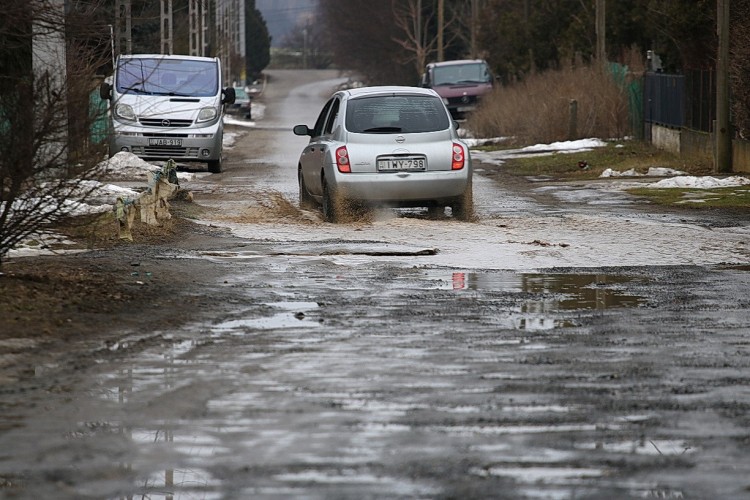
(305, 200)
(463, 206)
(330, 204)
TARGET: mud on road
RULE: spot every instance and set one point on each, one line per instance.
(255, 352)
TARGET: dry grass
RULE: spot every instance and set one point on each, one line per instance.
(538, 109)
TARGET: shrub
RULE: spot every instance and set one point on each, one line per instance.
(538, 109)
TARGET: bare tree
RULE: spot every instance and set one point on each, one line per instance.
(418, 31)
(416, 39)
(361, 40)
(47, 156)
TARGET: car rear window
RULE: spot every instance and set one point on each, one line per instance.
(396, 114)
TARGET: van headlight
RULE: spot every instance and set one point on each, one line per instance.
(125, 111)
(207, 114)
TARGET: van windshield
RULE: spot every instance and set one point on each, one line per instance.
(161, 76)
(455, 74)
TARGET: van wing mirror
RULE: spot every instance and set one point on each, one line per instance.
(105, 91)
(229, 96)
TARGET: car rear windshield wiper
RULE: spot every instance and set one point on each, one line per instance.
(382, 130)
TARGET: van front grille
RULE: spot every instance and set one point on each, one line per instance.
(165, 123)
(165, 152)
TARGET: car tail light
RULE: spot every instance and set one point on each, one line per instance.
(459, 157)
(342, 160)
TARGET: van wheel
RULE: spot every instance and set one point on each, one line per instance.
(214, 166)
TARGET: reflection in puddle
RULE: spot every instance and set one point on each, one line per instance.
(542, 475)
(548, 294)
(293, 316)
(664, 447)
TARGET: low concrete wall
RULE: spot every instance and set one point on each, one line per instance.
(694, 144)
(666, 138)
(740, 156)
(697, 144)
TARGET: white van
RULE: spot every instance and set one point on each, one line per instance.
(167, 107)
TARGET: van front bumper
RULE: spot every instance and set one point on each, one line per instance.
(185, 144)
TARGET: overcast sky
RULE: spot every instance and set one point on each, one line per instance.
(282, 15)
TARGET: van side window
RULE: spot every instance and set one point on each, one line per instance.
(332, 117)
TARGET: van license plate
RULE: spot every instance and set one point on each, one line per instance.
(165, 142)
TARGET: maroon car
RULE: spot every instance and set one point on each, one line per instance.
(461, 83)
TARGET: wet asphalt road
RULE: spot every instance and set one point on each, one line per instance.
(358, 362)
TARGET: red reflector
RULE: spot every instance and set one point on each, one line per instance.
(342, 160)
(458, 157)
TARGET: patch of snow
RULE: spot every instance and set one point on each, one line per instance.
(614, 173)
(230, 120)
(579, 145)
(652, 172)
(473, 143)
(565, 147)
(692, 182)
(229, 139)
(663, 172)
(125, 166)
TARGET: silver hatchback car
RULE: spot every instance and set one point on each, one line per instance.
(385, 146)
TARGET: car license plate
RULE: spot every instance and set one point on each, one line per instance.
(165, 142)
(402, 164)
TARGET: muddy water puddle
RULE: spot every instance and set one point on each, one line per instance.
(548, 298)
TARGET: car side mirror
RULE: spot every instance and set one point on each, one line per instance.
(105, 91)
(302, 130)
(229, 95)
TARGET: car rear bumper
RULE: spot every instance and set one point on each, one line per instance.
(403, 188)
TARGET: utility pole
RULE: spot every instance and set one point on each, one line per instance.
(601, 32)
(123, 28)
(418, 34)
(723, 160)
(441, 30)
(167, 39)
(197, 11)
(474, 23)
(527, 31)
(48, 56)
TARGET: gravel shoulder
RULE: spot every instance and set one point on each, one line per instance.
(57, 308)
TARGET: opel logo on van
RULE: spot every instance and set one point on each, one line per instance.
(166, 123)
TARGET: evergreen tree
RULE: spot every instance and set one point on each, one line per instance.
(257, 41)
